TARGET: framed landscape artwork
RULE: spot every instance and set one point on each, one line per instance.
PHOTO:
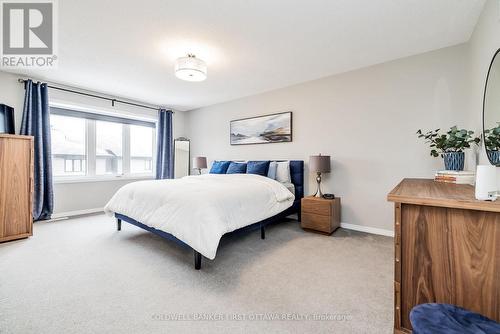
(274, 128)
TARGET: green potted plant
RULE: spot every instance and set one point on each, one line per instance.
(492, 144)
(450, 145)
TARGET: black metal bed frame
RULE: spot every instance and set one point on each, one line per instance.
(297, 173)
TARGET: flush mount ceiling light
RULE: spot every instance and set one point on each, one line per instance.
(190, 68)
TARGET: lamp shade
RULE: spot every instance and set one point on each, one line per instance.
(200, 162)
(319, 163)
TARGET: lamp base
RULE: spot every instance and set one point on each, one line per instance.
(318, 191)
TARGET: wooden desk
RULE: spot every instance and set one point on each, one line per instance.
(447, 249)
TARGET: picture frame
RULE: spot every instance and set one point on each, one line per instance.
(263, 129)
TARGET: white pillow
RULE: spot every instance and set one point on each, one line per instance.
(283, 172)
(271, 172)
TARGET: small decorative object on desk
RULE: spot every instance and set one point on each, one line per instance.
(7, 119)
(457, 177)
(454, 160)
(450, 146)
(199, 163)
(486, 183)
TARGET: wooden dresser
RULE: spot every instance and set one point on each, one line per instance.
(16, 187)
(447, 249)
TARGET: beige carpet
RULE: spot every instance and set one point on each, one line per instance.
(82, 276)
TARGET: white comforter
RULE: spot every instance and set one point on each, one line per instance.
(199, 209)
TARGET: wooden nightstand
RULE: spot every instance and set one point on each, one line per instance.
(319, 214)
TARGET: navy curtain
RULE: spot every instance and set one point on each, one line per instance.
(36, 123)
(164, 146)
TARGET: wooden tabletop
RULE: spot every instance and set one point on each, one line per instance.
(8, 135)
(432, 193)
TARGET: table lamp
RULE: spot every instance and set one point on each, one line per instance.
(319, 164)
(199, 163)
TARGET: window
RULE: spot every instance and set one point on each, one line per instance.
(74, 165)
(68, 145)
(108, 152)
(94, 145)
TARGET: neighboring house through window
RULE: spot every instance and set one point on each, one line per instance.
(92, 145)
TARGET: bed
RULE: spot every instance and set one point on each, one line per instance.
(197, 211)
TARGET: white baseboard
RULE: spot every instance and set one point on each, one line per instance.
(354, 227)
(76, 213)
(368, 229)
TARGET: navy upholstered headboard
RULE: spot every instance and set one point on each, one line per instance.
(297, 174)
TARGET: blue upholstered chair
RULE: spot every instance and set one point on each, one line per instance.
(449, 319)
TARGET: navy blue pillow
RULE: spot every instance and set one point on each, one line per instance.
(237, 168)
(258, 167)
(219, 167)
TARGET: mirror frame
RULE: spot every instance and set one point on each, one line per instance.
(484, 104)
(189, 154)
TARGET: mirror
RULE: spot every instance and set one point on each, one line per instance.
(491, 112)
(181, 157)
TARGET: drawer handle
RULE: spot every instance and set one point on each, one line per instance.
(397, 260)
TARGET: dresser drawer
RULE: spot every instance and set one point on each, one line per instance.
(318, 207)
(317, 222)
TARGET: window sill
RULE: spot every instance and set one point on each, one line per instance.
(106, 178)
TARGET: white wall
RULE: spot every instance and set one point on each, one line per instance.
(365, 119)
(12, 94)
(69, 197)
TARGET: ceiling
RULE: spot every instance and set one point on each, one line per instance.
(128, 48)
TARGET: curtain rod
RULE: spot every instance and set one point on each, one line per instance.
(112, 100)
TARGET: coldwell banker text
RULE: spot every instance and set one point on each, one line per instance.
(28, 34)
